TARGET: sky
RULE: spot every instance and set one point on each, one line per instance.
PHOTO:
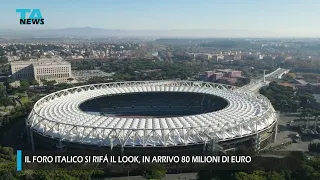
(278, 17)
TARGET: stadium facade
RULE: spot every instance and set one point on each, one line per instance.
(152, 116)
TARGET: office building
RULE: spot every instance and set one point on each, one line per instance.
(60, 71)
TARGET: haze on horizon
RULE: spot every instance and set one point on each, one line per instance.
(267, 18)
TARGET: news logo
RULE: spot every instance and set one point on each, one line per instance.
(35, 16)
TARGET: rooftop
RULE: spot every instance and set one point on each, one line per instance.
(226, 70)
(301, 81)
(44, 63)
(286, 84)
(39, 62)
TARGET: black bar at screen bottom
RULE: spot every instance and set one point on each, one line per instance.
(93, 161)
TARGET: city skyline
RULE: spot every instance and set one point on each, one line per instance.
(286, 18)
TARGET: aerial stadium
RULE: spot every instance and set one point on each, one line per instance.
(152, 117)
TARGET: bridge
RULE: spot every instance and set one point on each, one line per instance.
(256, 84)
(277, 74)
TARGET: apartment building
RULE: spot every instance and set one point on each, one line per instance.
(230, 73)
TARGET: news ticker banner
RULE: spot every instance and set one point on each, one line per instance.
(88, 160)
(75, 160)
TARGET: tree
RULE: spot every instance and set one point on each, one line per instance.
(291, 75)
(7, 171)
(24, 84)
(8, 82)
(273, 175)
(256, 175)
(3, 59)
(51, 83)
(70, 80)
(204, 175)
(2, 90)
(44, 81)
(34, 82)
(154, 171)
(61, 86)
(306, 112)
(6, 101)
(30, 94)
(314, 147)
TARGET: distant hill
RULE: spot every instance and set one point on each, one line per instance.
(99, 32)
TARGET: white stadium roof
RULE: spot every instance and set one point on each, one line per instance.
(58, 116)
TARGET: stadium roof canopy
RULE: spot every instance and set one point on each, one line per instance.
(58, 116)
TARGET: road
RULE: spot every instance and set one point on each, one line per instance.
(285, 135)
(255, 85)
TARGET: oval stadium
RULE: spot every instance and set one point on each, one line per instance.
(152, 117)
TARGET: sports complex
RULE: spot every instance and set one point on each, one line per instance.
(152, 117)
